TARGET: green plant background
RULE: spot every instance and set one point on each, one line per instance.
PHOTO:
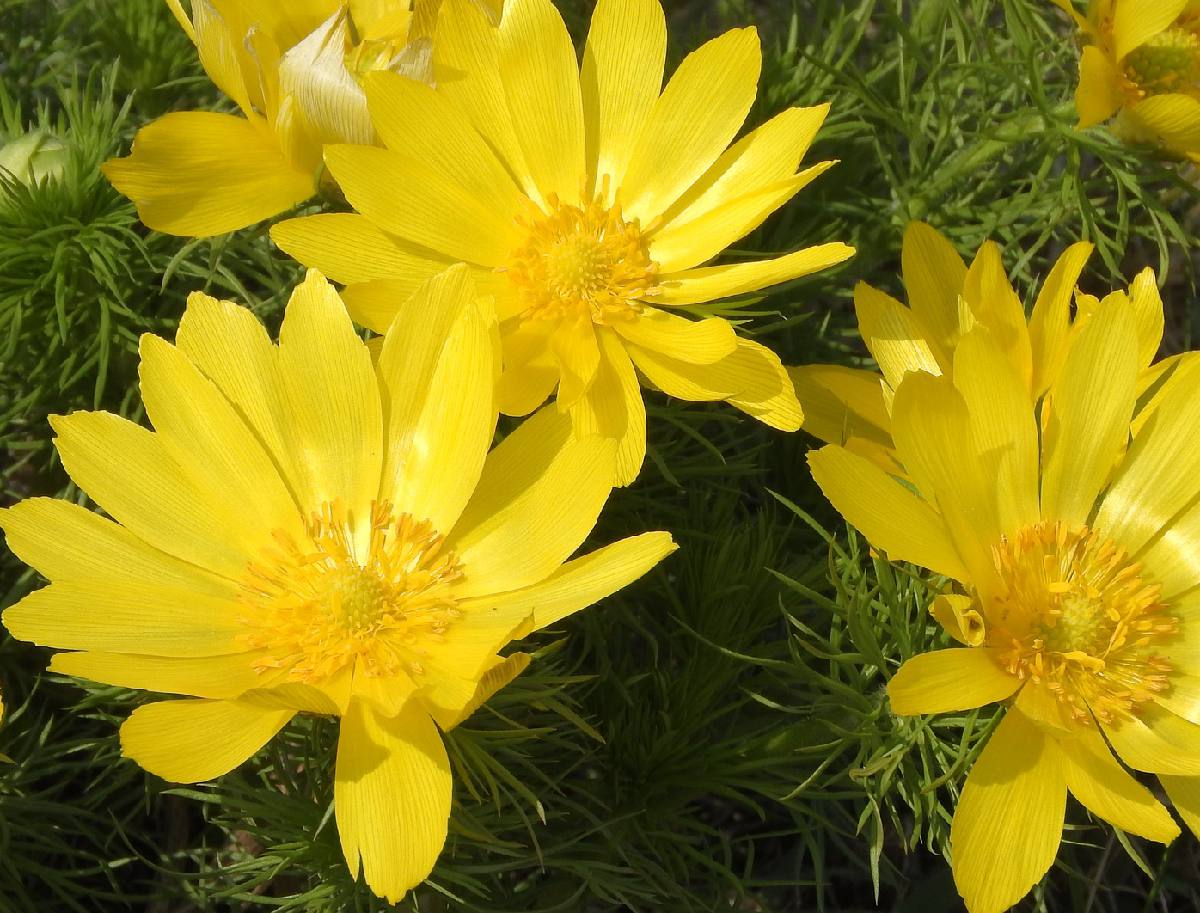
(716, 737)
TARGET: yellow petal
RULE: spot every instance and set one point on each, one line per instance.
(1173, 120)
(613, 407)
(621, 77)
(1100, 92)
(1090, 407)
(118, 615)
(541, 83)
(688, 243)
(218, 677)
(1137, 21)
(934, 275)
(438, 370)
(1009, 821)
(944, 681)
(387, 694)
(219, 46)
(197, 173)
(375, 304)
(935, 441)
(538, 498)
(891, 517)
(450, 702)
(578, 354)
(699, 342)
(1156, 741)
(767, 154)
(752, 379)
(391, 796)
(175, 739)
(213, 447)
(583, 581)
(530, 371)
(348, 247)
(421, 126)
(898, 341)
(126, 470)
(698, 114)
(960, 618)
(420, 205)
(1050, 321)
(996, 306)
(64, 541)
(467, 71)
(1148, 315)
(1184, 793)
(314, 74)
(842, 403)
(335, 420)
(1002, 419)
(1096, 779)
(709, 283)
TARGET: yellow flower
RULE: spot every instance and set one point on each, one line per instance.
(1141, 61)
(585, 202)
(947, 299)
(1071, 546)
(305, 531)
(294, 70)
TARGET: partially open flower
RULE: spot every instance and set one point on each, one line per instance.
(295, 72)
(34, 157)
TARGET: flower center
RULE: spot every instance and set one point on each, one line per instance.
(1168, 62)
(317, 607)
(1074, 615)
(582, 261)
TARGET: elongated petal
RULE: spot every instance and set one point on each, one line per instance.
(1099, 95)
(613, 407)
(64, 541)
(214, 447)
(538, 498)
(421, 126)
(936, 444)
(541, 85)
(1173, 120)
(1137, 21)
(530, 370)
(450, 702)
(621, 77)
(335, 418)
(126, 470)
(700, 342)
(752, 379)
(767, 154)
(698, 114)
(1156, 741)
(577, 351)
(934, 275)
(842, 404)
(892, 517)
(709, 283)
(1090, 407)
(194, 173)
(897, 339)
(1009, 821)
(348, 247)
(120, 615)
(583, 581)
(1184, 793)
(995, 305)
(1050, 321)
(1096, 779)
(1003, 423)
(438, 370)
(961, 678)
(467, 70)
(1147, 307)
(218, 677)
(391, 796)
(174, 739)
(422, 206)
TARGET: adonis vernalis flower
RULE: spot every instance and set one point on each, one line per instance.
(586, 200)
(947, 299)
(1070, 544)
(294, 70)
(306, 531)
(1141, 62)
